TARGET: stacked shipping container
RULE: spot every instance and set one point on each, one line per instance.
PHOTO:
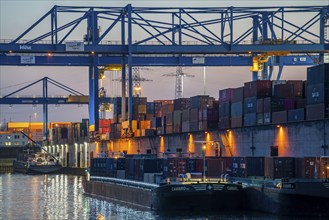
(317, 92)
(140, 168)
(256, 103)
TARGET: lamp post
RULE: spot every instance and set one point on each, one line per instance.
(204, 147)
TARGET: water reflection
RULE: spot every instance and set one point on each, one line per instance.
(61, 197)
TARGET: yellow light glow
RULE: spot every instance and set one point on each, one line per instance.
(49, 54)
(282, 141)
(231, 142)
(92, 52)
(162, 144)
(209, 149)
(129, 147)
(191, 146)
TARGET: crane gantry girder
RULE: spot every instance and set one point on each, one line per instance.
(44, 60)
(171, 32)
(169, 49)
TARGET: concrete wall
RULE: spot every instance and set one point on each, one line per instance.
(293, 139)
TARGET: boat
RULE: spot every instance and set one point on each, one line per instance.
(170, 195)
(38, 163)
(202, 195)
(297, 197)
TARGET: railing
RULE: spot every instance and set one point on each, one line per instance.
(185, 43)
(130, 183)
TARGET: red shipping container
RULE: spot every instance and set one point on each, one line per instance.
(103, 123)
(236, 122)
(298, 87)
(284, 91)
(289, 104)
(259, 88)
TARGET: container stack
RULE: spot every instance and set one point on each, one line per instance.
(224, 111)
(260, 102)
(201, 103)
(253, 106)
(317, 92)
(237, 108)
(149, 168)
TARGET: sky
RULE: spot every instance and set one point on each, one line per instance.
(16, 16)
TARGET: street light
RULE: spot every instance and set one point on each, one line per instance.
(204, 147)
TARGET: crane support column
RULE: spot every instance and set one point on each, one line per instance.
(123, 68)
(123, 88)
(92, 37)
(45, 110)
(93, 95)
(130, 101)
(323, 19)
(255, 22)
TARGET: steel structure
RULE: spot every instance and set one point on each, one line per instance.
(179, 83)
(45, 100)
(212, 36)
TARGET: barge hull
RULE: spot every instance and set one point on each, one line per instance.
(125, 194)
(289, 202)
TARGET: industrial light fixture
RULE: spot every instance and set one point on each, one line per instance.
(278, 126)
(92, 52)
(49, 54)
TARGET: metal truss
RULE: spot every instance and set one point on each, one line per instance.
(142, 36)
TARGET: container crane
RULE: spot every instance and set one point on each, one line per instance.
(179, 84)
(158, 38)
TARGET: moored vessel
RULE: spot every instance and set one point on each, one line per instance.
(198, 195)
(297, 197)
(39, 163)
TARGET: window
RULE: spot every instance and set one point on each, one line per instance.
(7, 143)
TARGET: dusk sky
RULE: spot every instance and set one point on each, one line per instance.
(17, 16)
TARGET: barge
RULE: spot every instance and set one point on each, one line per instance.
(289, 197)
(188, 195)
(197, 195)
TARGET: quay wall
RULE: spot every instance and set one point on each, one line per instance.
(300, 139)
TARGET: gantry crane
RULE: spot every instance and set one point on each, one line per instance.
(211, 36)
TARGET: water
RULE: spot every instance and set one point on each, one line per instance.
(61, 197)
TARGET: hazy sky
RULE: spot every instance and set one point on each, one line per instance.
(17, 16)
